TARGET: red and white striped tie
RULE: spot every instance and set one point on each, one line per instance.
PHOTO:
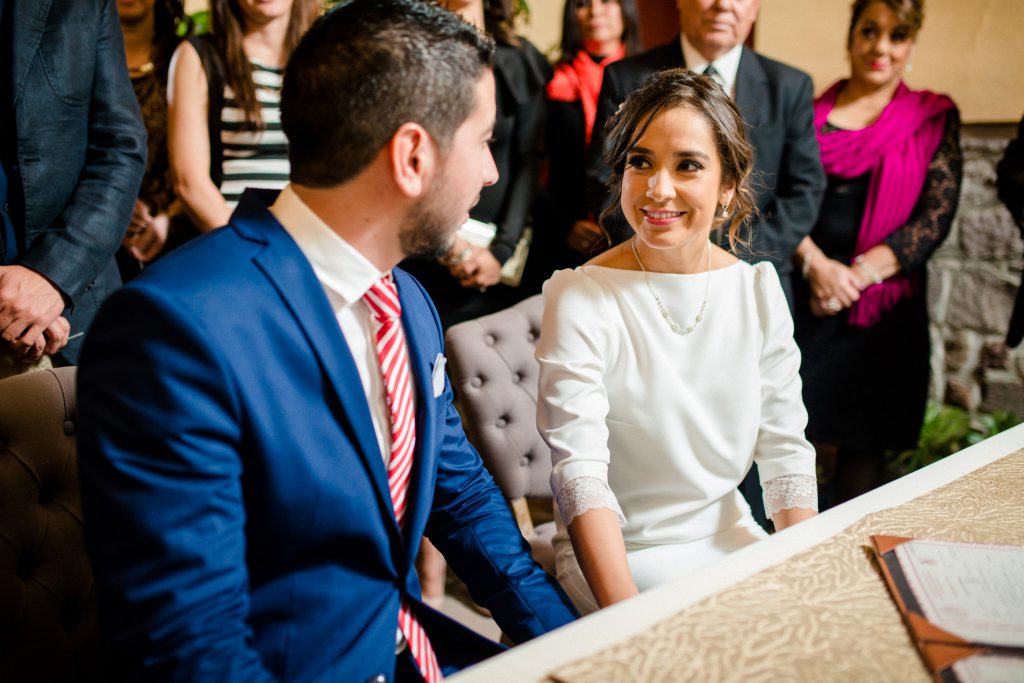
(382, 298)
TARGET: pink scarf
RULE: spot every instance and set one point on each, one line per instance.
(580, 80)
(896, 149)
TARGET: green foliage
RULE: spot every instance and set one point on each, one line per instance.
(200, 22)
(522, 10)
(947, 430)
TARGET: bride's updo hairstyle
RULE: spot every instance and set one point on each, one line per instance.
(682, 88)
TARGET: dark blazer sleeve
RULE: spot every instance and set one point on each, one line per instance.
(73, 250)
(470, 523)
(613, 92)
(800, 181)
(1010, 177)
(527, 148)
(161, 485)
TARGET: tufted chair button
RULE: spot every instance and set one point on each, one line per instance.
(525, 462)
(69, 428)
(501, 422)
(476, 382)
(489, 340)
(531, 337)
(517, 377)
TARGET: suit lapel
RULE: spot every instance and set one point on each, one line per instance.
(753, 96)
(289, 272)
(28, 19)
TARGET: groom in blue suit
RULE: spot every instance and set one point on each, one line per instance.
(235, 424)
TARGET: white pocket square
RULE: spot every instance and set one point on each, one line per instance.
(437, 374)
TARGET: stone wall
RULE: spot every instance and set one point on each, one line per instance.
(973, 280)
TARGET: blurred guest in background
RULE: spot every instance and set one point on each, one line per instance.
(152, 30)
(667, 365)
(72, 153)
(892, 157)
(1010, 180)
(224, 121)
(467, 282)
(595, 33)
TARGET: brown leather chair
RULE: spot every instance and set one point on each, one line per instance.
(495, 375)
(48, 628)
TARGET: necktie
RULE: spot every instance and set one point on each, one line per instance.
(711, 72)
(382, 298)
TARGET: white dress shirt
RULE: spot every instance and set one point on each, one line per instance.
(727, 65)
(345, 275)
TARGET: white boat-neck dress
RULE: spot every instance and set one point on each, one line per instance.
(660, 427)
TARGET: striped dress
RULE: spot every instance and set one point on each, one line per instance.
(254, 158)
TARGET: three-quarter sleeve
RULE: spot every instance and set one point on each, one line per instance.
(572, 401)
(785, 458)
(932, 217)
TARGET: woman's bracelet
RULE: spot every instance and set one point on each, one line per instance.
(868, 270)
(805, 267)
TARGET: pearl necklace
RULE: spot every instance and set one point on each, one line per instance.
(673, 325)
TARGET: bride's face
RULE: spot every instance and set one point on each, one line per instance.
(672, 181)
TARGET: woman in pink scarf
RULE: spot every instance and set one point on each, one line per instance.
(892, 157)
(595, 33)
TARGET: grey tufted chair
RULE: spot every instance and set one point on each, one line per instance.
(492, 366)
(48, 629)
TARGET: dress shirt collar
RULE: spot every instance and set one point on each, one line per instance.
(727, 65)
(338, 265)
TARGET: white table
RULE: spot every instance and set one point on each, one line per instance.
(533, 661)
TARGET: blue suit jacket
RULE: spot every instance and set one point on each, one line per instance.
(237, 505)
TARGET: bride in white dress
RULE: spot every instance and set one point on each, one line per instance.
(668, 365)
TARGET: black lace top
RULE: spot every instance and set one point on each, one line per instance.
(842, 208)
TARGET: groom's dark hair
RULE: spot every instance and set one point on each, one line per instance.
(367, 67)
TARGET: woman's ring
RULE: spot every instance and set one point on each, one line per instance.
(832, 304)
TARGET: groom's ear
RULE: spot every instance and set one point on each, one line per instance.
(413, 158)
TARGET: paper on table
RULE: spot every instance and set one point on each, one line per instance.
(972, 590)
(990, 669)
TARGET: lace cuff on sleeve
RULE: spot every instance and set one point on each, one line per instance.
(586, 493)
(790, 491)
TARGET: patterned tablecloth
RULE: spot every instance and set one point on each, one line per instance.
(822, 615)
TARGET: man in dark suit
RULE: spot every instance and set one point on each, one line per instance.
(73, 152)
(259, 465)
(776, 101)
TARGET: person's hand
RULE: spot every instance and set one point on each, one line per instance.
(147, 242)
(835, 285)
(56, 335)
(819, 308)
(480, 270)
(584, 236)
(141, 217)
(29, 304)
